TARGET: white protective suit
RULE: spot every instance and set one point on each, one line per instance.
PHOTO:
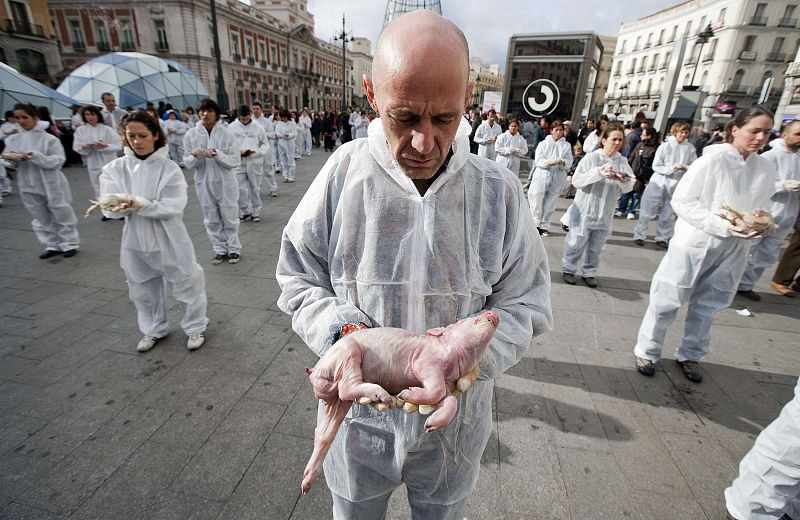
(547, 180)
(43, 187)
(509, 149)
(304, 131)
(364, 246)
(217, 189)
(175, 129)
(156, 252)
(591, 142)
(661, 187)
(269, 159)
(286, 132)
(6, 129)
(484, 131)
(704, 262)
(251, 168)
(360, 128)
(784, 208)
(768, 485)
(591, 216)
(96, 158)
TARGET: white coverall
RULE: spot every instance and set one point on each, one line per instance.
(486, 148)
(215, 182)
(785, 205)
(6, 129)
(96, 158)
(591, 142)
(286, 132)
(269, 159)
(360, 128)
(251, 168)
(509, 149)
(273, 142)
(704, 262)
(175, 138)
(768, 485)
(43, 187)
(304, 131)
(364, 246)
(156, 252)
(661, 187)
(547, 179)
(591, 216)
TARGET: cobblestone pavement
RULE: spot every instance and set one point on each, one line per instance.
(90, 429)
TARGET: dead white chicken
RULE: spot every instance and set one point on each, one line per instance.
(758, 222)
(112, 202)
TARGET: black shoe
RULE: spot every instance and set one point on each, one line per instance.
(645, 366)
(691, 369)
(104, 218)
(218, 259)
(543, 232)
(591, 281)
(750, 295)
(565, 228)
(49, 253)
(639, 242)
(662, 244)
(569, 278)
(245, 218)
(70, 253)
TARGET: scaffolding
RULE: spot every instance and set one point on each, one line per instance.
(395, 8)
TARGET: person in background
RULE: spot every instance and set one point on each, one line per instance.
(97, 143)
(286, 132)
(77, 117)
(175, 129)
(475, 123)
(587, 129)
(548, 175)
(252, 141)
(568, 191)
(486, 135)
(569, 133)
(112, 114)
(304, 129)
(510, 146)
(193, 118)
(593, 139)
(641, 161)
(269, 159)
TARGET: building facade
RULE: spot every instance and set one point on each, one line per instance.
(751, 44)
(27, 40)
(483, 79)
(603, 76)
(789, 105)
(361, 53)
(272, 58)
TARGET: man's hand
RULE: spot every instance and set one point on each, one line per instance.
(16, 156)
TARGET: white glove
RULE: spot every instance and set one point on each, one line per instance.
(791, 185)
(608, 172)
(201, 153)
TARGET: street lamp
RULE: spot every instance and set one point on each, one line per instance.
(703, 37)
(345, 37)
(623, 89)
(222, 96)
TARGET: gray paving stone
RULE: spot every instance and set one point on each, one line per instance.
(18, 473)
(574, 417)
(14, 429)
(300, 418)
(11, 366)
(170, 505)
(24, 512)
(283, 377)
(13, 393)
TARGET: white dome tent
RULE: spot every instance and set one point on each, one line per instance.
(135, 79)
(18, 88)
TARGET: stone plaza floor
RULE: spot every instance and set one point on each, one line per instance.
(91, 429)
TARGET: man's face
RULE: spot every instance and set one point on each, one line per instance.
(590, 124)
(557, 132)
(109, 102)
(513, 128)
(257, 112)
(645, 125)
(791, 137)
(491, 118)
(421, 111)
(245, 119)
(208, 117)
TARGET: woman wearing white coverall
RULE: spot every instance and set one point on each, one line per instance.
(43, 188)
(212, 153)
(97, 143)
(553, 157)
(253, 142)
(286, 132)
(156, 253)
(175, 129)
(768, 485)
(304, 131)
(510, 146)
(707, 256)
(364, 245)
(269, 159)
(599, 179)
(672, 159)
(785, 157)
(486, 134)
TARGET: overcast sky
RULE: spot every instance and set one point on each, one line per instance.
(489, 24)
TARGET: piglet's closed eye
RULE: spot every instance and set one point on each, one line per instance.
(436, 332)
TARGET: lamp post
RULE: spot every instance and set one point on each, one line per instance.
(345, 37)
(623, 89)
(222, 96)
(705, 35)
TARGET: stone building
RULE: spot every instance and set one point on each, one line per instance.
(485, 79)
(27, 40)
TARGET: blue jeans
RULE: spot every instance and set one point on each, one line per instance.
(631, 198)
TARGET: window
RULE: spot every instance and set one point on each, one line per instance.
(736, 83)
(661, 37)
(722, 13)
(654, 66)
(161, 35)
(211, 39)
(674, 34)
(702, 24)
(248, 50)
(19, 13)
(32, 63)
(777, 45)
(622, 49)
(128, 41)
(667, 58)
(262, 51)
(272, 54)
(688, 30)
(235, 49)
(710, 54)
(638, 43)
(649, 40)
(760, 10)
(283, 57)
(76, 34)
(749, 43)
(102, 35)
(789, 12)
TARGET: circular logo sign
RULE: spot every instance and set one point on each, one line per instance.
(541, 97)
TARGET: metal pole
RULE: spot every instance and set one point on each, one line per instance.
(222, 95)
(344, 64)
(697, 63)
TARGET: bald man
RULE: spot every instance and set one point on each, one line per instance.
(408, 229)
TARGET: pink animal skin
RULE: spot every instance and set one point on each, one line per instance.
(380, 362)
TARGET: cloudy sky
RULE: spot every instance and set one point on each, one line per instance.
(487, 25)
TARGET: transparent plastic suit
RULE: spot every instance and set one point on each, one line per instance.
(175, 138)
(251, 169)
(509, 149)
(591, 215)
(269, 159)
(784, 207)
(286, 132)
(96, 158)
(486, 148)
(768, 485)
(548, 180)
(217, 189)
(43, 187)
(661, 187)
(156, 252)
(704, 262)
(364, 246)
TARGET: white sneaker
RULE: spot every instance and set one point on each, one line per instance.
(146, 343)
(631, 216)
(195, 341)
(618, 214)
(273, 194)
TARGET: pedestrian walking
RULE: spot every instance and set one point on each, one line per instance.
(97, 143)
(549, 173)
(175, 129)
(286, 132)
(641, 161)
(252, 141)
(268, 126)
(486, 135)
(510, 146)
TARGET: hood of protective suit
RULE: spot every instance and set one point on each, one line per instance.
(777, 143)
(161, 153)
(41, 126)
(379, 149)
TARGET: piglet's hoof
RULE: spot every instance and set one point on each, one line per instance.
(410, 407)
(427, 409)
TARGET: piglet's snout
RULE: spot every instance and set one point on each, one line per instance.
(492, 317)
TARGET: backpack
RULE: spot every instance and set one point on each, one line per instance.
(643, 165)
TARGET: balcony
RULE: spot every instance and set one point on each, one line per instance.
(664, 65)
(617, 74)
(13, 26)
(239, 82)
(787, 22)
(262, 64)
(128, 46)
(103, 47)
(708, 57)
(251, 60)
(274, 66)
(237, 58)
(691, 60)
(777, 57)
(758, 20)
(79, 46)
(748, 56)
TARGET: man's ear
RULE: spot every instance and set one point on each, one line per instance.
(468, 95)
(369, 88)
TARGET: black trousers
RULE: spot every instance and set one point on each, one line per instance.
(786, 271)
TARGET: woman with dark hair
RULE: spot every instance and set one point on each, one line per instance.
(286, 132)
(156, 252)
(97, 143)
(37, 157)
(708, 254)
(593, 139)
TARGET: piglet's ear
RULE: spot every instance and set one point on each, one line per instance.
(436, 332)
(309, 370)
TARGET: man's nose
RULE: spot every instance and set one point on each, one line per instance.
(422, 137)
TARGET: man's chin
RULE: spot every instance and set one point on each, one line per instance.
(420, 172)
